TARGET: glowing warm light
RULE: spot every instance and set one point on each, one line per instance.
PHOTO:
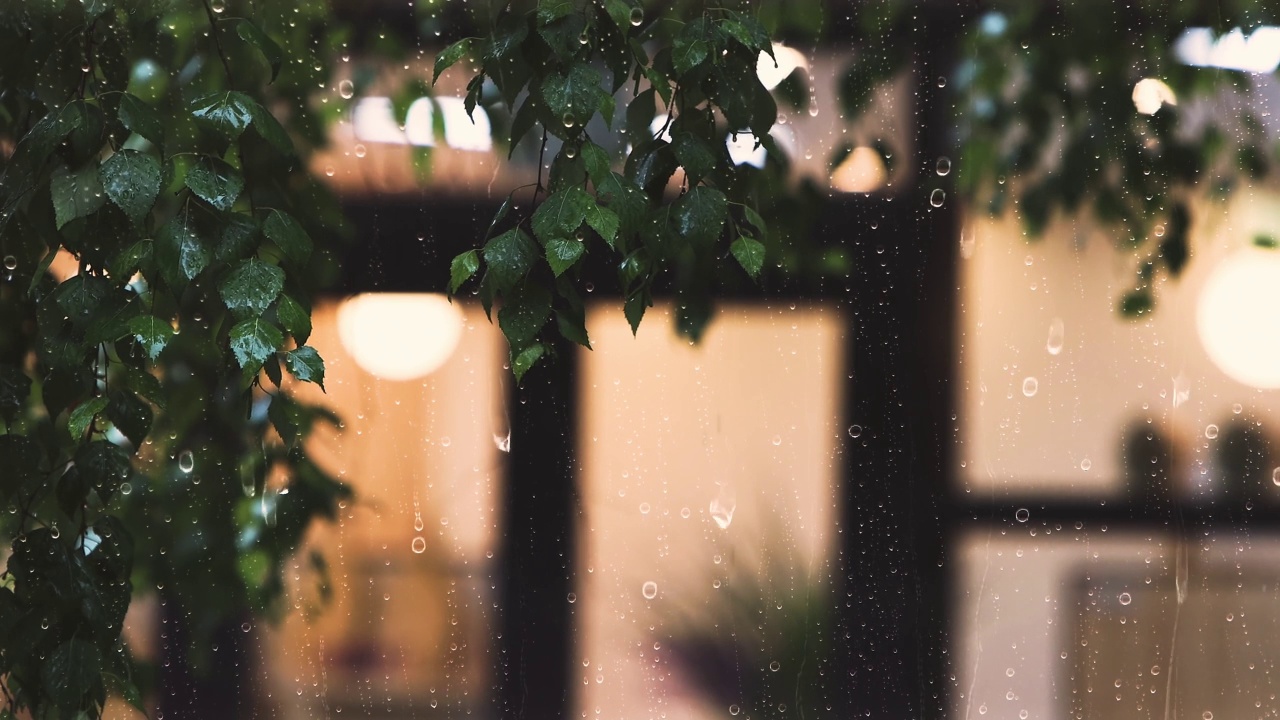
(862, 172)
(744, 150)
(1258, 53)
(1150, 94)
(400, 336)
(374, 122)
(1238, 317)
(772, 73)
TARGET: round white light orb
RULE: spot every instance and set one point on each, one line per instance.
(400, 336)
(1238, 317)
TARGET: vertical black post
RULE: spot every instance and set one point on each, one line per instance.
(538, 542)
(902, 353)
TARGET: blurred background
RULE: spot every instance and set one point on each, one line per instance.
(995, 436)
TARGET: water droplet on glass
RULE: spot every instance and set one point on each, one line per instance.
(1085, 464)
(1030, 386)
(571, 151)
(943, 167)
(722, 512)
(10, 262)
(1275, 476)
(775, 666)
(1211, 431)
(1057, 335)
(1159, 231)
(125, 488)
(1125, 598)
(637, 16)
(777, 440)
(942, 81)
(734, 709)
(346, 89)
(1237, 409)
(568, 120)
(685, 513)
(186, 461)
(644, 508)
(417, 523)
(649, 590)
(245, 627)
(419, 545)
(855, 431)
(1207, 715)
(937, 197)
(1022, 515)
(572, 598)
(218, 5)
(361, 150)
(503, 442)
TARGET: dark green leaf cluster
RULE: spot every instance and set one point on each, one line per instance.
(145, 152)
(669, 208)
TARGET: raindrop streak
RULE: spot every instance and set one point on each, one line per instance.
(943, 167)
(1057, 335)
(503, 442)
(1030, 386)
(1022, 515)
(346, 89)
(419, 545)
(649, 590)
(722, 512)
(186, 461)
(937, 197)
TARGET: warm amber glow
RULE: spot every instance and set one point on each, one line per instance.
(400, 336)
(863, 171)
(1238, 317)
(1150, 94)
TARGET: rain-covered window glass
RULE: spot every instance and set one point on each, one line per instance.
(632, 359)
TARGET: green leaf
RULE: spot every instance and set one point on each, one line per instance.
(749, 253)
(605, 222)
(82, 416)
(237, 237)
(255, 36)
(130, 415)
(562, 253)
(746, 30)
(70, 672)
(449, 56)
(690, 48)
(104, 465)
(1265, 241)
(524, 360)
(215, 182)
(551, 10)
(634, 308)
(561, 214)
(523, 314)
(295, 318)
(132, 181)
(509, 257)
(700, 214)
(1136, 303)
(620, 12)
(596, 161)
(152, 333)
(182, 248)
(574, 96)
(228, 112)
(270, 129)
(756, 221)
(462, 268)
(695, 157)
(75, 193)
(20, 458)
(281, 229)
(253, 341)
(306, 365)
(624, 199)
(141, 118)
(15, 388)
(251, 287)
